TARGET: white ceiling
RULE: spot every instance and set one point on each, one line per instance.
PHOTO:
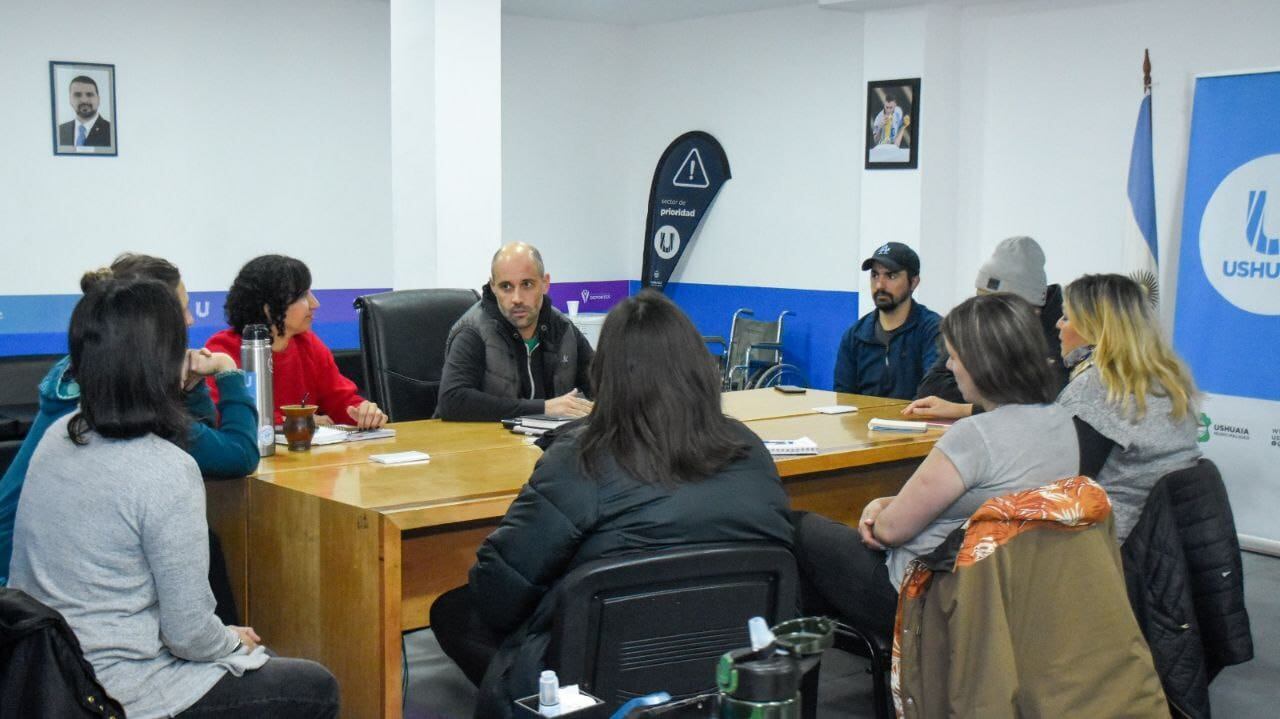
(651, 12)
(637, 12)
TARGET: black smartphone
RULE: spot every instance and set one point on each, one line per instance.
(789, 389)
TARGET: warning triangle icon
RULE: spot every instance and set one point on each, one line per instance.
(691, 172)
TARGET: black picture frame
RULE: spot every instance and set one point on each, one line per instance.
(899, 147)
(102, 137)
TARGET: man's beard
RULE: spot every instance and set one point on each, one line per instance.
(84, 111)
(886, 302)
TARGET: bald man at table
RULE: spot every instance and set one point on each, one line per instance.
(513, 354)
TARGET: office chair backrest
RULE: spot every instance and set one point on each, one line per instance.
(628, 626)
(402, 336)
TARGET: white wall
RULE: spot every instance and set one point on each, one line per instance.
(1028, 115)
(588, 108)
(446, 140)
(247, 128)
(244, 128)
(781, 90)
(1048, 100)
(564, 93)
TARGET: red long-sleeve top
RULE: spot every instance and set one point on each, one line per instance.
(307, 367)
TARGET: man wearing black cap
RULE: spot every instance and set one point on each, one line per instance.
(887, 352)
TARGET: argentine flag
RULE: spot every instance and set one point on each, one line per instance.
(1141, 251)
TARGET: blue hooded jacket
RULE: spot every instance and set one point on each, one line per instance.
(226, 450)
(864, 366)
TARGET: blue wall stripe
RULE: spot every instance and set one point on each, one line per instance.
(810, 337)
(36, 324)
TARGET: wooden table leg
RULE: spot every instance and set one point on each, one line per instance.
(436, 560)
(324, 585)
(227, 508)
(842, 494)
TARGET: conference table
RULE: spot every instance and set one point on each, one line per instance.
(332, 556)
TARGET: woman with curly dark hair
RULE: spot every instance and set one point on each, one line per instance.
(276, 291)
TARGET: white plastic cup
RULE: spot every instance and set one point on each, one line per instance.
(573, 309)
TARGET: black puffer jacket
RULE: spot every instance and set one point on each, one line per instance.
(43, 672)
(562, 519)
(1183, 570)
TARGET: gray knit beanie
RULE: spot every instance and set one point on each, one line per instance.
(1016, 266)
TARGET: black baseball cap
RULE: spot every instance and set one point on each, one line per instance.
(896, 256)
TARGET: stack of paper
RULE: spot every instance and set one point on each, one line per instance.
(341, 433)
(544, 421)
(783, 447)
(878, 424)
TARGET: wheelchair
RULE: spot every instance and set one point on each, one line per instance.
(752, 357)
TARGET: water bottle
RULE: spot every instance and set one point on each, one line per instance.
(777, 677)
(255, 360)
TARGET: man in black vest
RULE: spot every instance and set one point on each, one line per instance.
(512, 353)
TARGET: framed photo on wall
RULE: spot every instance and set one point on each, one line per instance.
(893, 124)
(83, 101)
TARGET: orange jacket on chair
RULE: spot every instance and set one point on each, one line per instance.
(1022, 612)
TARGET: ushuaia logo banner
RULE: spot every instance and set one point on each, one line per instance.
(1209, 429)
(1239, 249)
(1227, 325)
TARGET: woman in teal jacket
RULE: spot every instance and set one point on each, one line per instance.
(226, 449)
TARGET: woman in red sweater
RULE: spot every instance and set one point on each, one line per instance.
(276, 290)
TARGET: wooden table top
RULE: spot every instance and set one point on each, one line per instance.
(844, 440)
(450, 476)
(438, 438)
(753, 404)
(432, 436)
(476, 468)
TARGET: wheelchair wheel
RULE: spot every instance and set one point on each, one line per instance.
(778, 374)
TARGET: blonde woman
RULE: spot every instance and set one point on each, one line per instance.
(1126, 383)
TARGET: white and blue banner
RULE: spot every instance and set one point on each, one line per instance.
(1227, 322)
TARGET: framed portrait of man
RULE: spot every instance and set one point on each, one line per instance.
(84, 111)
(893, 124)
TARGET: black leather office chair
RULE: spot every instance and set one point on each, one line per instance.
(402, 336)
(633, 625)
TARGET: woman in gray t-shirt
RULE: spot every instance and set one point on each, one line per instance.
(1130, 386)
(1021, 441)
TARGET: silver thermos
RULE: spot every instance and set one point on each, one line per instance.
(255, 360)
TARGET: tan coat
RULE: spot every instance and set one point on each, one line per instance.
(1023, 613)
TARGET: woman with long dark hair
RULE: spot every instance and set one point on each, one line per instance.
(1021, 441)
(223, 442)
(276, 291)
(111, 530)
(655, 465)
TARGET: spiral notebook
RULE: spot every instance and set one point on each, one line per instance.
(786, 447)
